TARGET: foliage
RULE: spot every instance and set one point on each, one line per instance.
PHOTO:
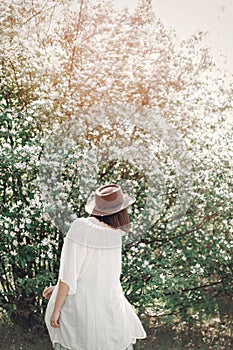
(117, 94)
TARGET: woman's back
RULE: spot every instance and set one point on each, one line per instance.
(101, 255)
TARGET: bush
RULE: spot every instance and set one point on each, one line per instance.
(62, 133)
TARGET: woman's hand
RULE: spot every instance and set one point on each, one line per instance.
(48, 292)
(54, 320)
(62, 292)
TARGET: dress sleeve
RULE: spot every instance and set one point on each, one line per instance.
(72, 258)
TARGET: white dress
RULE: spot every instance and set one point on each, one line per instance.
(96, 315)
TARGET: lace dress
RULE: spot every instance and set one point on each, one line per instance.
(95, 315)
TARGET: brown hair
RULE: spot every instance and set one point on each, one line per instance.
(116, 220)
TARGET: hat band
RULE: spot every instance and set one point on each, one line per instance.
(110, 207)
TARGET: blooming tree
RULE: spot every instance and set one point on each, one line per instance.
(90, 95)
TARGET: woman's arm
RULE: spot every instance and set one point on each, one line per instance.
(63, 289)
(48, 292)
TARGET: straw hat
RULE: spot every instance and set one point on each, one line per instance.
(108, 199)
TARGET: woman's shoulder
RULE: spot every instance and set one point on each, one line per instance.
(91, 223)
(90, 232)
(78, 226)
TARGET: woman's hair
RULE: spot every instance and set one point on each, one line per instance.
(116, 220)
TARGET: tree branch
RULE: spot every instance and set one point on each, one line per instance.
(196, 288)
(75, 38)
(43, 9)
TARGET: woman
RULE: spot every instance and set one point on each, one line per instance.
(87, 309)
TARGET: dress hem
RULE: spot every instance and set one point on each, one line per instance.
(125, 348)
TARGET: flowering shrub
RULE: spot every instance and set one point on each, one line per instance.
(90, 95)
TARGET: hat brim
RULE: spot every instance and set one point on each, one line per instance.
(91, 208)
